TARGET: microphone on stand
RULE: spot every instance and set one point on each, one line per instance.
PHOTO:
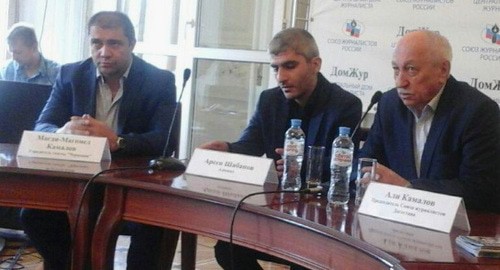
(171, 163)
(375, 99)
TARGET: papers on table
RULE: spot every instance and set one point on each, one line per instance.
(480, 246)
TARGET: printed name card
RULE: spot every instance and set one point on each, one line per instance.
(63, 146)
(410, 241)
(223, 189)
(234, 167)
(58, 165)
(415, 207)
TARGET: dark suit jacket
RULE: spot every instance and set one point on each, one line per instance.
(146, 107)
(461, 156)
(334, 107)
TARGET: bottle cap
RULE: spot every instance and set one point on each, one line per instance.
(296, 122)
(344, 130)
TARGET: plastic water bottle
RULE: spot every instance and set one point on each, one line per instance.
(341, 166)
(293, 155)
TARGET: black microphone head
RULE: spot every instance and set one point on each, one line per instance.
(187, 74)
(167, 163)
(376, 97)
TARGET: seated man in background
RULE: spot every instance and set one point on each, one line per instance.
(27, 64)
(303, 93)
(433, 132)
(116, 95)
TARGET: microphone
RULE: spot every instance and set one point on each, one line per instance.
(314, 190)
(171, 163)
(375, 99)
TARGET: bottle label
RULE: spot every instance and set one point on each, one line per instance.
(342, 157)
(294, 148)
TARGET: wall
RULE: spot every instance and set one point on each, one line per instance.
(356, 39)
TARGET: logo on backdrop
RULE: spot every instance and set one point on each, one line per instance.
(493, 85)
(350, 72)
(352, 79)
(418, 5)
(491, 34)
(403, 30)
(491, 52)
(360, 4)
(489, 87)
(488, 6)
(353, 28)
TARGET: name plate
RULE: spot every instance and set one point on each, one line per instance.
(223, 189)
(410, 241)
(234, 167)
(58, 165)
(415, 207)
(63, 146)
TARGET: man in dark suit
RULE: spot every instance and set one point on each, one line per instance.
(303, 93)
(433, 132)
(114, 95)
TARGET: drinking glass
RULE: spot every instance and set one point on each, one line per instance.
(366, 173)
(314, 167)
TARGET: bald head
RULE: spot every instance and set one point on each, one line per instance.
(421, 64)
(431, 45)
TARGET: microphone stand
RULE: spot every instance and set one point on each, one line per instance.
(375, 99)
(171, 163)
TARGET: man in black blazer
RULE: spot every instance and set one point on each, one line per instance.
(114, 95)
(303, 93)
(433, 132)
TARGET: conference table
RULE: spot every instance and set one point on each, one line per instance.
(48, 185)
(301, 228)
(57, 185)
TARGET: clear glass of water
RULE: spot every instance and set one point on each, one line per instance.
(366, 173)
(314, 169)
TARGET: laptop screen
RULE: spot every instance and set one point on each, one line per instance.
(20, 106)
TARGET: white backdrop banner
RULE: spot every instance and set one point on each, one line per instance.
(356, 39)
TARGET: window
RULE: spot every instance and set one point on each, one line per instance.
(4, 13)
(224, 42)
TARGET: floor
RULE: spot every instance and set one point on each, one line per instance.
(204, 256)
(29, 259)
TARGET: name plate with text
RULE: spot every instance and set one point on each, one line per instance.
(234, 167)
(410, 241)
(89, 168)
(415, 207)
(63, 146)
(223, 189)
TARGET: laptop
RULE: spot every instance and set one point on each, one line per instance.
(20, 106)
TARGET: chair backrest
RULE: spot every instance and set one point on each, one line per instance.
(20, 106)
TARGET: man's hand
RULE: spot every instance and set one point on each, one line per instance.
(215, 145)
(76, 126)
(388, 176)
(280, 163)
(88, 126)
